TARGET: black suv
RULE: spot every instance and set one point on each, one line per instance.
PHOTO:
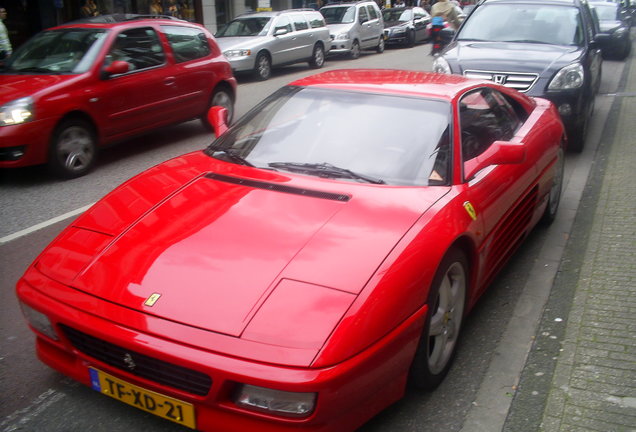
(544, 48)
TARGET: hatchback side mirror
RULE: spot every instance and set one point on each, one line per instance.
(499, 153)
(115, 68)
(217, 117)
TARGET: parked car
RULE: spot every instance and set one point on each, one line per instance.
(354, 27)
(545, 48)
(73, 89)
(256, 42)
(301, 270)
(405, 26)
(614, 21)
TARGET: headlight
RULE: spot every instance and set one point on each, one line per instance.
(38, 321)
(289, 404)
(16, 112)
(399, 30)
(237, 53)
(570, 77)
(440, 65)
(342, 36)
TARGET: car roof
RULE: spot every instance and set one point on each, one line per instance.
(274, 13)
(391, 81)
(122, 20)
(556, 2)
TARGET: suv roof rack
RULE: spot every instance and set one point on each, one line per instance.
(117, 18)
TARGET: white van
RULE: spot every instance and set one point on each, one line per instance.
(354, 26)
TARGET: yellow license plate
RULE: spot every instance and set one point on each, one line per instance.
(149, 401)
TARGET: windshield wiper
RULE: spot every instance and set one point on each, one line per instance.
(232, 156)
(527, 41)
(326, 170)
(38, 70)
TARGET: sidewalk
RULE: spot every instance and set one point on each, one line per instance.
(580, 374)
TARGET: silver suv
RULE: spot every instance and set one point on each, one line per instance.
(256, 42)
(354, 27)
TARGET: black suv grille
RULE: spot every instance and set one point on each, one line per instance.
(139, 364)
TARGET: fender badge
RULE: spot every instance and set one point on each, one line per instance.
(150, 301)
(470, 210)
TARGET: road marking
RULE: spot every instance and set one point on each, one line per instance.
(44, 224)
(18, 419)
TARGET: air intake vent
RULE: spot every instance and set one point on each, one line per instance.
(279, 188)
(142, 365)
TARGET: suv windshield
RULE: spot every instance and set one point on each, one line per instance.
(71, 50)
(524, 22)
(607, 11)
(250, 26)
(339, 14)
(327, 133)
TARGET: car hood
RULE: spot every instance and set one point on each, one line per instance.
(18, 86)
(335, 29)
(227, 43)
(235, 250)
(510, 57)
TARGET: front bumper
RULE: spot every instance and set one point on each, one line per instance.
(349, 393)
(242, 64)
(25, 144)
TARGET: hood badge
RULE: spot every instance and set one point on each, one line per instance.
(470, 210)
(150, 301)
(130, 363)
(500, 78)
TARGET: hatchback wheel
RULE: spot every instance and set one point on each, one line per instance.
(73, 149)
(263, 67)
(355, 50)
(380, 47)
(220, 97)
(446, 302)
(318, 57)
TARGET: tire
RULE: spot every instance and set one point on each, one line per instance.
(73, 149)
(446, 303)
(221, 97)
(410, 40)
(380, 48)
(576, 139)
(263, 67)
(625, 51)
(317, 57)
(554, 197)
(355, 50)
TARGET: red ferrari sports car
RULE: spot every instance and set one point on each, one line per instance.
(318, 256)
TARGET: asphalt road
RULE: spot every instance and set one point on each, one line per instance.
(34, 208)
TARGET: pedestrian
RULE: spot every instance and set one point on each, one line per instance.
(446, 10)
(5, 43)
(89, 9)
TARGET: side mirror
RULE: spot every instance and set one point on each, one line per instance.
(602, 40)
(217, 117)
(499, 153)
(115, 68)
(280, 31)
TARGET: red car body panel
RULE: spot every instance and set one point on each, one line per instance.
(118, 107)
(284, 291)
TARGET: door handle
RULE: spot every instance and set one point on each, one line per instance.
(169, 81)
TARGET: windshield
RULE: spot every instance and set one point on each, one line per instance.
(523, 22)
(252, 26)
(315, 131)
(607, 12)
(339, 14)
(58, 51)
(403, 15)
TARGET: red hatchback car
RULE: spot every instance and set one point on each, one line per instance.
(75, 88)
(297, 273)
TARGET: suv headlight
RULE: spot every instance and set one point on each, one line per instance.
(570, 77)
(342, 36)
(237, 53)
(440, 65)
(16, 112)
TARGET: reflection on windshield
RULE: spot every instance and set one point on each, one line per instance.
(339, 15)
(396, 140)
(607, 12)
(550, 24)
(58, 51)
(254, 26)
(403, 15)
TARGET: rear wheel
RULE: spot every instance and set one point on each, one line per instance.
(446, 303)
(73, 149)
(318, 57)
(554, 198)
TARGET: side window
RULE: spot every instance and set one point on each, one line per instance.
(364, 16)
(372, 12)
(140, 47)
(283, 22)
(187, 43)
(300, 23)
(485, 116)
(316, 21)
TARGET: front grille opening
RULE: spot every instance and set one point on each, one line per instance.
(138, 364)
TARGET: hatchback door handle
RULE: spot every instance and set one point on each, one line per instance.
(169, 81)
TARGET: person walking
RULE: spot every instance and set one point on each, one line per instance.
(5, 43)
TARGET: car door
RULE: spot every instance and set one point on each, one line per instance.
(284, 41)
(500, 195)
(141, 98)
(305, 37)
(421, 19)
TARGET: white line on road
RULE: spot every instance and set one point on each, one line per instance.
(17, 420)
(44, 224)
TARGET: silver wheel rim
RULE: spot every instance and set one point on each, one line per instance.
(223, 99)
(355, 50)
(319, 57)
(555, 190)
(381, 45)
(446, 318)
(75, 148)
(263, 67)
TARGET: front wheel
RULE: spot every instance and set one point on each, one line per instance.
(355, 50)
(317, 58)
(220, 97)
(446, 303)
(263, 69)
(73, 149)
(380, 47)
